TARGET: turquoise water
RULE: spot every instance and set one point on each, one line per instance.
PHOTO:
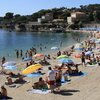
(9, 41)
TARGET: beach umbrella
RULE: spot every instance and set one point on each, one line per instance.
(88, 53)
(10, 63)
(62, 56)
(27, 59)
(10, 67)
(66, 60)
(38, 55)
(54, 48)
(31, 69)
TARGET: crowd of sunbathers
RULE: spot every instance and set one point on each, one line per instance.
(19, 78)
(54, 76)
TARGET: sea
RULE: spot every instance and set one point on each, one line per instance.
(10, 41)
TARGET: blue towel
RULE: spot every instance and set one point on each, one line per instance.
(79, 74)
(11, 67)
(34, 75)
(63, 81)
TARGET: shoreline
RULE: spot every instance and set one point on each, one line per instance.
(10, 53)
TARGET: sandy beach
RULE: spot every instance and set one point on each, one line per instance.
(84, 87)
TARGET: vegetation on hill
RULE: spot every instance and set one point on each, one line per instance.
(92, 11)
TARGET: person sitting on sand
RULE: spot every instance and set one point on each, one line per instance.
(58, 78)
(76, 70)
(19, 80)
(73, 71)
(9, 81)
(98, 60)
(40, 84)
(3, 92)
(44, 62)
(90, 62)
(48, 56)
(27, 64)
(58, 53)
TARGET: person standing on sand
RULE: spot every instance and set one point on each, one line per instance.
(58, 79)
(51, 78)
(83, 59)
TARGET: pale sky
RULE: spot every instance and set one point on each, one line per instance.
(27, 7)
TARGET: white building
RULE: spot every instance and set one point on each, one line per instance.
(76, 16)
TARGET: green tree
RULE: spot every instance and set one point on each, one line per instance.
(17, 15)
(91, 16)
(8, 15)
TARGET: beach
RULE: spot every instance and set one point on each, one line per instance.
(84, 87)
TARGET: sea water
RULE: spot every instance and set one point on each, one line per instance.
(10, 41)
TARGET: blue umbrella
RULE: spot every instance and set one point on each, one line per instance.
(54, 48)
(10, 67)
(66, 60)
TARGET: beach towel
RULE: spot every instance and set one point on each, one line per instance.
(79, 74)
(63, 81)
(11, 67)
(91, 66)
(20, 69)
(34, 75)
(44, 91)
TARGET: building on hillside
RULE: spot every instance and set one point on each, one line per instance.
(32, 26)
(76, 16)
(47, 17)
(59, 22)
(36, 26)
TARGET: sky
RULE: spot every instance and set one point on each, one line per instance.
(28, 7)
